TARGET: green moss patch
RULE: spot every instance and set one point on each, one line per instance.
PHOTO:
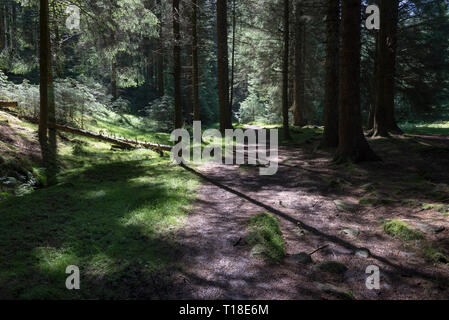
(399, 229)
(264, 230)
(434, 255)
(440, 207)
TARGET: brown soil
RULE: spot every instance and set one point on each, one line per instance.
(18, 140)
(215, 260)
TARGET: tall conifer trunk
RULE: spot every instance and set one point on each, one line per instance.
(285, 70)
(160, 56)
(352, 143)
(384, 119)
(223, 66)
(330, 136)
(195, 71)
(177, 65)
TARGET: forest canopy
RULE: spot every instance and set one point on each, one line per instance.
(125, 47)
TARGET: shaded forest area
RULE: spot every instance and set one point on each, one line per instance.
(91, 90)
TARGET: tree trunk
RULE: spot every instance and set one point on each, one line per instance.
(330, 136)
(352, 143)
(384, 120)
(285, 70)
(7, 26)
(14, 28)
(298, 84)
(373, 96)
(2, 30)
(114, 79)
(177, 65)
(160, 57)
(234, 26)
(44, 66)
(47, 96)
(195, 71)
(56, 46)
(223, 66)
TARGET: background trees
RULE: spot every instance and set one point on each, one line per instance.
(284, 62)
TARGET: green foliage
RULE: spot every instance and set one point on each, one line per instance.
(440, 207)
(434, 255)
(399, 229)
(438, 127)
(162, 110)
(112, 214)
(264, 229)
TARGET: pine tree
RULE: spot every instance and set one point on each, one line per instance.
(352, 143)
(330, 136)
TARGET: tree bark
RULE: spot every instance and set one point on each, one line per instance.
(160, 56)
(52, 141)
(177, 65)
(330, 136)
(114, 79)
(47, 97)
(2, 30)
(223, 66)
(13, 27)
(352, 143)
(298, 84)
(44, 66)
(195, 70)
(7, 26)
(373, 96)
(384, 119)
(234, 26)
(285, 111)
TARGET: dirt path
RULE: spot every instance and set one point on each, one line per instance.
(216, 263)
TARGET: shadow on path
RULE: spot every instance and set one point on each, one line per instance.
(404, 271)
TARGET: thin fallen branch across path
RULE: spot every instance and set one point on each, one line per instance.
(320, 248)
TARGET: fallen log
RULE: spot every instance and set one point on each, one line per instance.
(9, 104)
(148, 145)
(88, 134)
(121, 142)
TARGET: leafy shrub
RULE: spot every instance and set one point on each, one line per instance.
(121, 106)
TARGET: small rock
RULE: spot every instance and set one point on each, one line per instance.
(427, 228)
(303, 258)
(346, 206)
(335, 291)
(300, 232)
(257, 250)
(406, 254)
(332, 267)
(350, 232)
(364, 253)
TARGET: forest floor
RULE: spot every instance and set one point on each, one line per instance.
(112, 214)
(396, 209)
(140, 227)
